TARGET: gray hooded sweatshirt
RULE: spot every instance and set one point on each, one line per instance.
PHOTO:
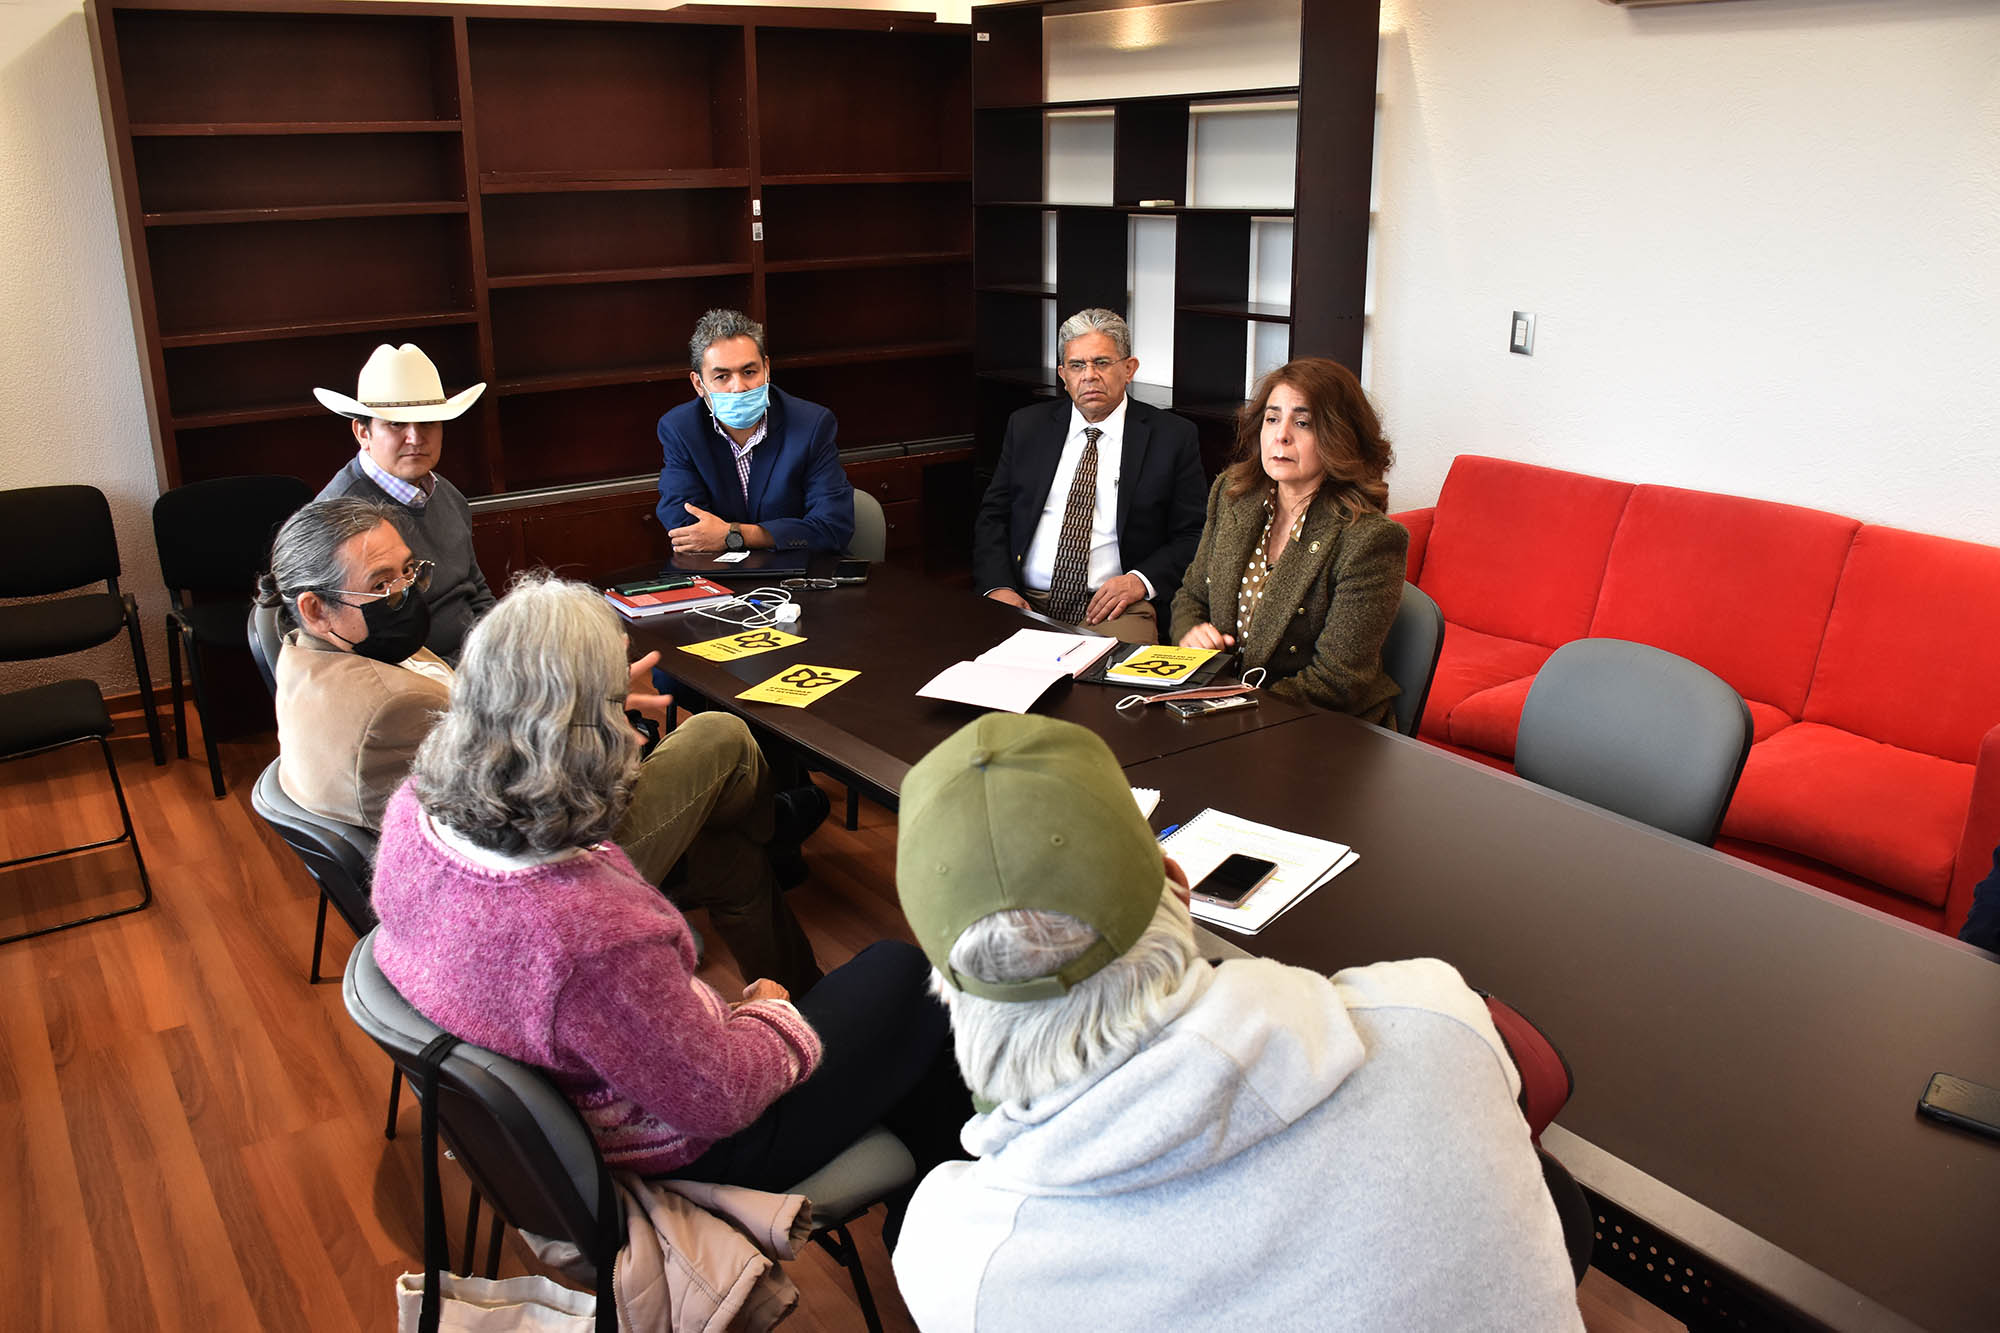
(1287, 1152)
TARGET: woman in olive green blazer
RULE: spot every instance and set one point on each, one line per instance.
(1298, 565)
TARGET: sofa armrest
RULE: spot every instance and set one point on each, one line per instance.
(1982, 834)
(1418, 521)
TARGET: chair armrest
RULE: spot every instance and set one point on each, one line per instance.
(1982, 834)
(1418, 521)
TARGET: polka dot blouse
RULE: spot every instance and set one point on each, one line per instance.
(1255, 573)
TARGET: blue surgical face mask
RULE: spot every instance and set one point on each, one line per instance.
(740, 410)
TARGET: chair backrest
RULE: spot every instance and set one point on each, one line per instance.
(1546, 1078)
(214, 537)
(341, 857)
(871, 528)
(1410, 654)
(522, 1143)
(54, 538)
(267, 639)
(1638, 731)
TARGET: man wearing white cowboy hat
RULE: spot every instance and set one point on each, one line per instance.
(396, 412)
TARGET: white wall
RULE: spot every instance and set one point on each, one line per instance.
(1762, 238)
(71, 407)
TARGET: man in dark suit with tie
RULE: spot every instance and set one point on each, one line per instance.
(1097, 504)
(746, 466)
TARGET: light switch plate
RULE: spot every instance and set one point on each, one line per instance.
(1523, 339)
(756, 231)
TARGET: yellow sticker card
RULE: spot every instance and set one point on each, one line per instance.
(747, 644)
(1159, 666)
(797, 687)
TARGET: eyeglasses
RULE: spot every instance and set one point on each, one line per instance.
(416, 574)
(810, 583)
(1100, 364)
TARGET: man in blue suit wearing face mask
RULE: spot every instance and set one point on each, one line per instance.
(746, 466)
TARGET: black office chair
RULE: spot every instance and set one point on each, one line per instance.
(1410, 654)
(49, 717)
(521, 1144)
(266, 640)
(1641, 732)
(528, 1152)
(214, 537)
(340, 857)
(54, 539)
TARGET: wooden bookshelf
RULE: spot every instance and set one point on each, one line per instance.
(238, 128)
(1216, 308)
(544, 199)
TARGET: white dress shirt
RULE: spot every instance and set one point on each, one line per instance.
(1038, 565)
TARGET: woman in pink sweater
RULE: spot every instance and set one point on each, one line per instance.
(511, 920)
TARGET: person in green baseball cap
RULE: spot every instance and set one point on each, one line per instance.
(1023, 813)
(1162, 1143)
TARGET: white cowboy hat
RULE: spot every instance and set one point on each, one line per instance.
(399, 384)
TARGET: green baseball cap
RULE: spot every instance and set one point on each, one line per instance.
(1018, 811)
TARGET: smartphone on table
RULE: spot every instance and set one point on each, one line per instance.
(1962, 1104)
(663, 583)
(1234, 880)
(1186, 709)
(851, 571)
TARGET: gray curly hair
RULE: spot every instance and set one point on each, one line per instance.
(535, 754)
(718, 326)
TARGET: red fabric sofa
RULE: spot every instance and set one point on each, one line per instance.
(1869, 657)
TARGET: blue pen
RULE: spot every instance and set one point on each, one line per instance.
(1168, 832)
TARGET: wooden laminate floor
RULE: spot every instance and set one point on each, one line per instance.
(192, 1134)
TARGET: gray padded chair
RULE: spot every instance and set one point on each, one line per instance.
(340, 857)
(266, 639)
(1638, 731)
(527, 1150)
(871, 528)
(871, 543)
(1410, 654)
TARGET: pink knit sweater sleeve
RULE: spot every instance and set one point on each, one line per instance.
(669, 1043)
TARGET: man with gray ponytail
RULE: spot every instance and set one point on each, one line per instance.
(357, 689)
(358, 694)
(1166, 1144)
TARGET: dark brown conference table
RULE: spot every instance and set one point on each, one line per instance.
(900, 629)
(1748, 1050)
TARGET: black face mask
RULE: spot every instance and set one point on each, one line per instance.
(394, 633)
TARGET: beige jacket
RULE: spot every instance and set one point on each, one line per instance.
(698, 1258)
(1328, 602)
(349, 727)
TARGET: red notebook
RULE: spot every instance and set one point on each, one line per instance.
(640, 606)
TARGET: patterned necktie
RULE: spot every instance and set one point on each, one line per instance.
(1069, 585)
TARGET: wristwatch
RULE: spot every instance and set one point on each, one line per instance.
(734, 541)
